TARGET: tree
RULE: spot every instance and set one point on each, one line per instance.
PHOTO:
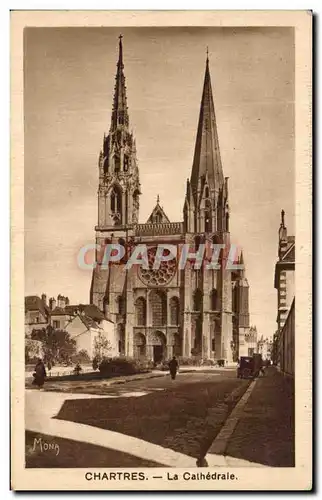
(81, 357)
(33, 350)
(102, 346)
(57, 345)
(95, 363)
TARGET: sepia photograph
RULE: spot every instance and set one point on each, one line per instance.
(160, 211)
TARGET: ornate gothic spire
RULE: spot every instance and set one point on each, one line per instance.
(120, 114)
(207, 161)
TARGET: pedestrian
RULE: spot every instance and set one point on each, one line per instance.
(40, 374)
(173, 365)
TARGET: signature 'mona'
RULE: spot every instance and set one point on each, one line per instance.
(44, 446)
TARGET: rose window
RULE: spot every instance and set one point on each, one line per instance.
(160, 276)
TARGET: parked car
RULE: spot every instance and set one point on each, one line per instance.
(249, 366)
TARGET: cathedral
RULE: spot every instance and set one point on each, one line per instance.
(168, 311)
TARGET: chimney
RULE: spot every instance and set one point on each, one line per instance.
(44, 298)
(61, 301)
(52, 303)
(66, 301)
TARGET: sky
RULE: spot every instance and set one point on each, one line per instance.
(69, 76)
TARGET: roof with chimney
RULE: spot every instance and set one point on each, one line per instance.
(58, 311)
(90, 310)
(35, 303)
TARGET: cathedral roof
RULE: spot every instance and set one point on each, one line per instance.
(158, 215)
(207, 161)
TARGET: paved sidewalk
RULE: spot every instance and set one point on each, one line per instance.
(265, 431)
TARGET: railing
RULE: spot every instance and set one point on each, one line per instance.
(158, 229)
(61, 371)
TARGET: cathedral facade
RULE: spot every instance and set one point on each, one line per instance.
(168, 311)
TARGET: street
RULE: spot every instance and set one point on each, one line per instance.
(183, 415)
(159, 422)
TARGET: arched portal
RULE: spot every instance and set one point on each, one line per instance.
(159, 346)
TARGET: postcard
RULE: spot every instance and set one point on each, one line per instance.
(161, 228)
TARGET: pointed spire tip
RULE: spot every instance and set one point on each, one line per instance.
(283, 218)
(120, 61)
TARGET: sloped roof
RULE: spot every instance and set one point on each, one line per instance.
(90, 310)
(34, 303)
(58, 311)
(289, 255)
(158, 213)
(88, 322)
(71, 309)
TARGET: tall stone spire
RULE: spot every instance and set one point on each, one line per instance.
(206, 208)
(120, 114)
(207, 161)
(119, 183)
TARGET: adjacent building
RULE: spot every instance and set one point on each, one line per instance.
(264, 347)
(166, 311)
(284, 338)
(37, 313)
(249, 346)
(84, 322)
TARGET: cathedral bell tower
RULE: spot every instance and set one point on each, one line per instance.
(119, 185)
(208, 292)
(206, 204)
(118, 191)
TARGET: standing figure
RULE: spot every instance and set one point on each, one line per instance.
(40, 374)
(173, 365)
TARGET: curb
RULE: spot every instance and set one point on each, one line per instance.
(161, 374)
(135, 379)
(220, 443)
